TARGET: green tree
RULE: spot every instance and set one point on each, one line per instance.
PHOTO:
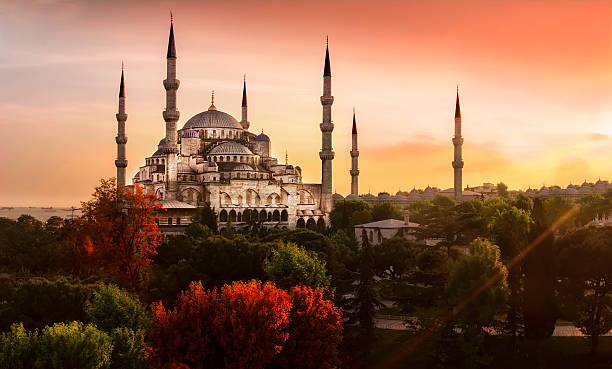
(111, 307)
(479, 269)
(585, 266)
(502, 189)
(341, 216)
(511, 228)
(366, 300)
(539, 304)
(386, 210)
(291, 266)
(206, 216)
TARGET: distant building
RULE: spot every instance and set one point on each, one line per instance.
(377, 232)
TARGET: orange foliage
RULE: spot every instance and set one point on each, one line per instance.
(245, 325)
(121, 230)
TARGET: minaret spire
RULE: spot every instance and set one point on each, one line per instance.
(354, 160)
(244, 122)
(458, 159)
(121, 139)
(171, 116)
(327, 153)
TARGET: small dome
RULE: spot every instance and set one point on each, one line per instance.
(262, 137)
(289, 166)
(190, 133)
(337, 197)
(212, 164)
(212, 119)
(230, 148)
(298, 169)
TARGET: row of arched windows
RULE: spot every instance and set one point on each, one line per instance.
(253, 215)
(318, 225)
(222, 134)
(234, 158)
(154, 161)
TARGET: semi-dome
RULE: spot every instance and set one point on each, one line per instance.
(212, 119)
(230, 148)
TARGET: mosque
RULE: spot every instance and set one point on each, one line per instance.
(215, 159)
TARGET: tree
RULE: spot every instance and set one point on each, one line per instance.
(585, 266)
(342, 215)
(386, 210)
(366, 296)
(38, 302)
(502, 189)
(110, 308)
(315, 332)
(480, 270)
(511, 228)
(122, 227)
(290, 266)
(242, 326)
(206, 216)
(62, 345)
(539, 307)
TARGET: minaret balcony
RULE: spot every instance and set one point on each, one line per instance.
(458, 164)
(354, 172)
(170, 149)
(121, 117)
(457, 140)
(327, 100)
(326, 127)
(327, 155)
(121, 140)
(171, 115)
(171, 84)
(121, 163)
(354, 153)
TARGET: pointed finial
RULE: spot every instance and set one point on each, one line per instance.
(286, 157)
(457, 107)
(244, 96)
(171, 16)
(327, 70)
(212, 101)
(122, 87)
(354, 122)
(244, 78)
(171, 48)
(262, 131)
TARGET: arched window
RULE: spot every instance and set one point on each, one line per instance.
(284, 216)
(321, 225)
(220, 158)
(263, 216)
(227, 158)
(300, 223)
(276, 216)
(232, 216)
(239, 217)
(223, 216)
(311, 224)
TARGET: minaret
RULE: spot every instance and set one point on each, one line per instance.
(354, 161)
(171, 116)
(244, 122)
(121, 139)
(458, 160)
(327, 153)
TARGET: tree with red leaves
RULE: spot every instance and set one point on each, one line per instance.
(245, 325)
(121, 234)
(315, 332)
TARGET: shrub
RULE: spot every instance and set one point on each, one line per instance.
(129, 350)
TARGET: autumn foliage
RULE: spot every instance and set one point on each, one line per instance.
(119, 231)
(245, 325)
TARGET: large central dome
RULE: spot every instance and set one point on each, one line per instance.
(212, 119)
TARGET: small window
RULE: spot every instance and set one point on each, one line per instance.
(178, 221)
(169, 221)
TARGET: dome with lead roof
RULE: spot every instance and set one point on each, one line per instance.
(230, 148)
(212, 119)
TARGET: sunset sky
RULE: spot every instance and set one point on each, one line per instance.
(535, 82)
